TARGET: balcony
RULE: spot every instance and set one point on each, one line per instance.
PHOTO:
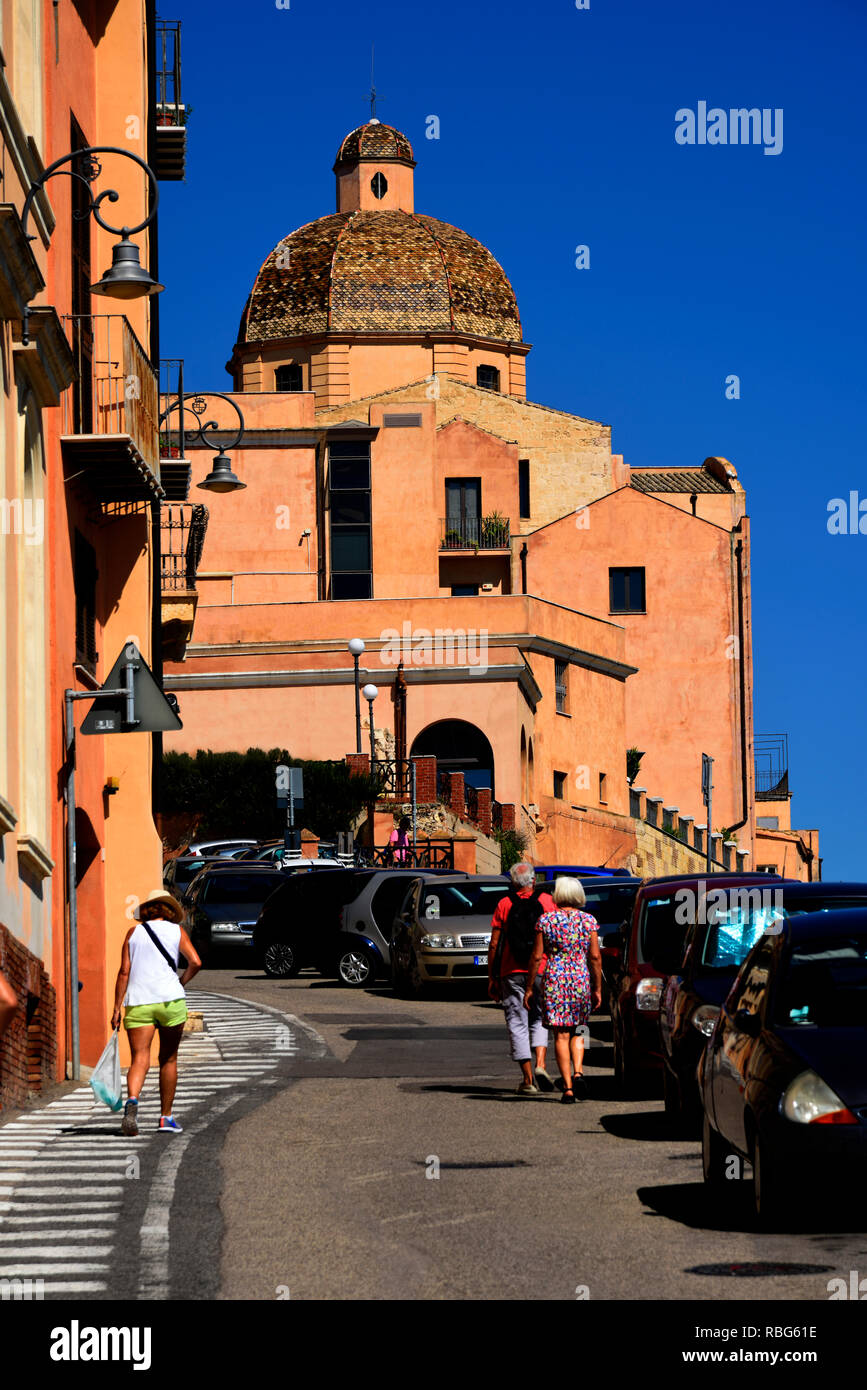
(182, 534)
(110, 414)
(168, 158)
(474, 533)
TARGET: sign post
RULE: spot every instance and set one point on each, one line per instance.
(290, 793)
(707, 797)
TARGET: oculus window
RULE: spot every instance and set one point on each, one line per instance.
(379, 185)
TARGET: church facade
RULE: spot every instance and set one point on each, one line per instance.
(552, 607)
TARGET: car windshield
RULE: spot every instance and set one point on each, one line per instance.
(825, 985)
(732, 931)
(461, 899)
(796, 906)
(241, 888)
(610, 906)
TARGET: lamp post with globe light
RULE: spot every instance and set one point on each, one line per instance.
(370, 693)
(356, 647)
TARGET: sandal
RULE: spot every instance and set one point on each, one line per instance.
(567, 1097)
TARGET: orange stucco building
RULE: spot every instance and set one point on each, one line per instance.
(552, 606)
(78, 441)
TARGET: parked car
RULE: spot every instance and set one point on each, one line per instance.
(274, 852)
(223, 904)
(715, 948)
(368, 922)
(698, 974)
(219, 848)
(784, 1076)
(179, 873)
(300, 924)
(658, 924)
(443, 930)
(548, 872)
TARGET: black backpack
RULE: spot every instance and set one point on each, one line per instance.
(521, 925)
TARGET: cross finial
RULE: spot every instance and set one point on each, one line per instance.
(373, 94)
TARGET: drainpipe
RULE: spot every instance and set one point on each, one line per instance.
(524, 568)
(739, 548)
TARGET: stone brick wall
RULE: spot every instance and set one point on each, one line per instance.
(570, 458)
(657, 853)
(28, 1050)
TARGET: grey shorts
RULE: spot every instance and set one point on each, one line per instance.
(526, 1029)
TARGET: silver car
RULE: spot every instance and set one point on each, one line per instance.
(442, 934)
(368, 923)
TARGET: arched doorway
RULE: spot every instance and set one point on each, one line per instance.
(458, 747)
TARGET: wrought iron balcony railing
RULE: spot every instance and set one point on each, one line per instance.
(183, 527)
(475, 533)
(169, 157)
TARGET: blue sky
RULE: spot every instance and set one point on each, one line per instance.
(556, 130)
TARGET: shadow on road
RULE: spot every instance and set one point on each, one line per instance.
(701, 1208)
(649, 1125)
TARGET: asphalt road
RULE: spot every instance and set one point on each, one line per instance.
(320, 1183)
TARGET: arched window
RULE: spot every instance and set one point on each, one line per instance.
(489, 377)
(379, 185)
(289, 378)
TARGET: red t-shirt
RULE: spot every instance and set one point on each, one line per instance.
(508, 964)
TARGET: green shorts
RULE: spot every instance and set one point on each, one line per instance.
(157, 1015)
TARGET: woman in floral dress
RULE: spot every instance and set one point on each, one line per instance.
(573, 979)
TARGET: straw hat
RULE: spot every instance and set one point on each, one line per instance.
(172, 908)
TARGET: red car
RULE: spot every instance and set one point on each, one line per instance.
(663, 910)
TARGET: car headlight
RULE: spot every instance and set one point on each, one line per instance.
(808, 1101)
(438, 943)
(225, 926)
(647, 994)
(704, 1018)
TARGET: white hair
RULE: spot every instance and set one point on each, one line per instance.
(522, 875)
(569, 892)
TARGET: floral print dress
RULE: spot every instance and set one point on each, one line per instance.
(566, 982)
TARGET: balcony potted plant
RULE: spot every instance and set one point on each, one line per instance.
(495, 529)
(453, 540)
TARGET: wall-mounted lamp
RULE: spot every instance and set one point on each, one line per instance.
(112, 786)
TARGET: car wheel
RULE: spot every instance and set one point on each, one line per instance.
(356, 968)
(281, 960)
(714, 1155)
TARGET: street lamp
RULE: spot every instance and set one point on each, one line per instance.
(356, 646)
(126, 278)
(221, 478)
(370, 693)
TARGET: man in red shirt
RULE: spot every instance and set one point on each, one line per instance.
(508, 963)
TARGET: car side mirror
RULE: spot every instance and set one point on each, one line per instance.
(747, 1022)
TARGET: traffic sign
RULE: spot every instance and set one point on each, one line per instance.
(130, 701)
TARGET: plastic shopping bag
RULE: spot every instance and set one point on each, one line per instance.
(105, 1080)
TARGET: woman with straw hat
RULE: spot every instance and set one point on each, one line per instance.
(148, 984)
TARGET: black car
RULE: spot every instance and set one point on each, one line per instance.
(301, 924)
(715, 947)
(223, 904)
(784, 1076)
(179, 873)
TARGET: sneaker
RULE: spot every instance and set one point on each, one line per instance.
(543, 1080)
(170, 1123)
(129, 1123)
(527, 1088)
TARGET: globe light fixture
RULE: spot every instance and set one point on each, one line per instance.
(356, 647)
(370, 693)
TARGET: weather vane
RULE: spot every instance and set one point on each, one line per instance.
(373, 88)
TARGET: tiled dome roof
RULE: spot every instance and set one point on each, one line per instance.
(374, 141)
(380, 272)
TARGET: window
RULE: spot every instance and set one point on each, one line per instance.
(489, 377)
(561, 686)
(560, 786)
(766, 868)
(465, 591)
(379, 185)
(751, 987)
(626, 590)
(768, 822)
(387, 902)
(351, 559)
(463, 511)
(524, 487)
(241, 888)
(603, 788)
(289, 378)
(460, 900)
(85, 575)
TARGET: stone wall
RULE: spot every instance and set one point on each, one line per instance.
(28, 1050)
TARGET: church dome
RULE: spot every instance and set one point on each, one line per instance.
(369, 271)
(374, 141)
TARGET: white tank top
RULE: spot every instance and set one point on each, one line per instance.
(151, 980)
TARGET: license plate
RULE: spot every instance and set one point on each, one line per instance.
(480, 960)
